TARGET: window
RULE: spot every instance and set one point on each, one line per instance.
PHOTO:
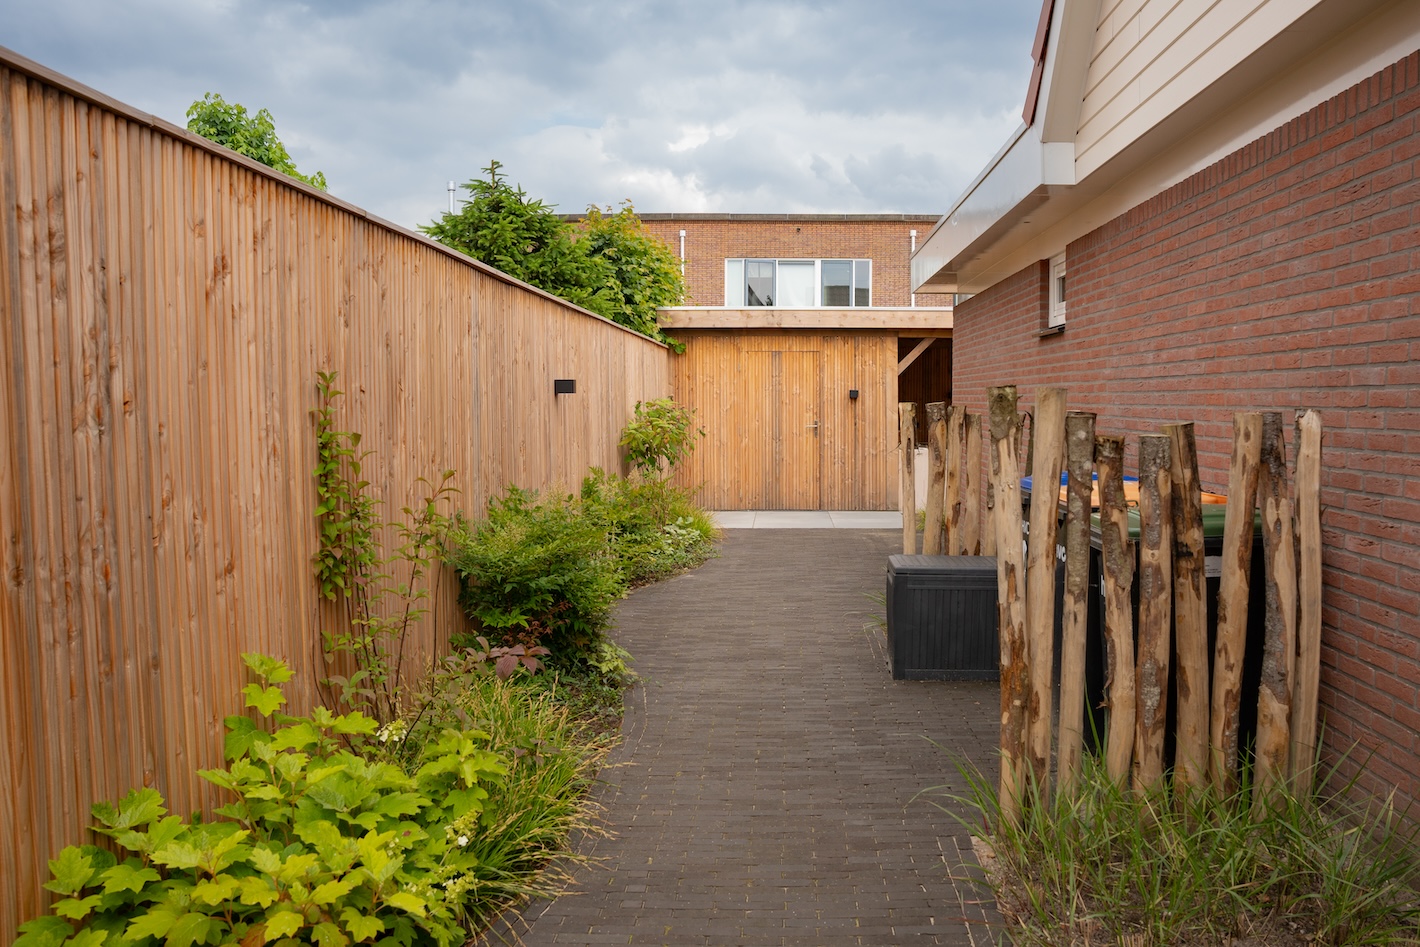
(798, 284)
(1056, 316)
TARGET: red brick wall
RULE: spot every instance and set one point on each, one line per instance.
(709, 241)
(1286, 275)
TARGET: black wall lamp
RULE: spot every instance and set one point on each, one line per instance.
(564, 386)
(852, 394)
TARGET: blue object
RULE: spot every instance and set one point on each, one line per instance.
(1065, 479)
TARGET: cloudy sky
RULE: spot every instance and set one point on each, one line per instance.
(712, 105)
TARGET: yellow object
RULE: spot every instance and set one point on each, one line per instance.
(1131, 495)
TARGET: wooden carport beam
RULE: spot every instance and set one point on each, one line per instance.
(912, 356)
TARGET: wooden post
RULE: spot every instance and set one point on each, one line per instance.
(956, 469)
(934, 529)
(1080, 462)
(1279, 654)
(1308, 672)
(1049, 437)
(1190, 610)
(971, 488)
(1155, 608)
(1010, 576)
(1232, 602)
(907, 444)
(1117, 561)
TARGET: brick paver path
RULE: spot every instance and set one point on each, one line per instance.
(764, 794)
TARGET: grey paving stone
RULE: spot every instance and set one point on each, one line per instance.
(767, 788)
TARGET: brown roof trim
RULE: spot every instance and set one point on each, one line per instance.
(906, 218)
(1037, 52)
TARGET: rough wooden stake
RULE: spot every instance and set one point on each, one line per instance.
(1279, 649)
(1233, 587)
(1308, 671)
(1155, 608)
(956, 474)
(1080, 462)
(1117, 561)
(971, 488)
(1049, 438)
(934, 529)
(1010, 577)
(1190, 610)
(907, 444)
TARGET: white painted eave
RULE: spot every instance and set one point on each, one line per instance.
(1033, 198)
(1017, 181)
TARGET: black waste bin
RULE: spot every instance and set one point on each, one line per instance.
(941, 618)
(1214, 515)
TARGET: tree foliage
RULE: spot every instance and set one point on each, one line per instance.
(612, 268)
(229, 124)
(645, 271)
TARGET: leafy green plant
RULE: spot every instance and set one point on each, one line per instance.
(351, 566)
(320, 845)
(660, 432)
(229, 124)
(654, 527)
(341, 831)
(537, 572)
(1107, 864)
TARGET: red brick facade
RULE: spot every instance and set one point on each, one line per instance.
(710, 239)
(1286, 275)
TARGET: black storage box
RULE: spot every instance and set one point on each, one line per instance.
(941, 618)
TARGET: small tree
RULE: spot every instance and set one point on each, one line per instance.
(230, 125)
(613, 267)
(645, 270)
(501, 226)
(659, 432)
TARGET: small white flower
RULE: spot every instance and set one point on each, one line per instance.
(462, 840)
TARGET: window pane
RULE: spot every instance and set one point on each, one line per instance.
(734, 283)
(796, 284)
(862, 282)
(759, 282)
(837, 280)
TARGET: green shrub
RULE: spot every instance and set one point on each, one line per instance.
(659, 432)
(340, 831)
(547, 571)
(654, 527)
(537, 572)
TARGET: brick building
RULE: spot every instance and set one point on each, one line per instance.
(706, 241)
(802, 335)
(1212, 210)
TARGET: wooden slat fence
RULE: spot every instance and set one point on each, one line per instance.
(755, 393)
(167, 305)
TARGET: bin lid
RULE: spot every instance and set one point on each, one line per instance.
(1065, 479)
(937, 565)
(1214, 516)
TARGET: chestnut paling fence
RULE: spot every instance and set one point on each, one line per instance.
(1156, 643)
(167, 306)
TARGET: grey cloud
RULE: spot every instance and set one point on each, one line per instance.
(825, 106)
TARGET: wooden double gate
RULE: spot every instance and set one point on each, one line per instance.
(783, 429)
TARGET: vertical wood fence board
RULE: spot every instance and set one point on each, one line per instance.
(729, 379)
(168, 309)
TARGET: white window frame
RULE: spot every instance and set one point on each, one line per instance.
(1059, 291)
(735, 279)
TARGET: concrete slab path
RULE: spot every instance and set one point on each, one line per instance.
(767, 789)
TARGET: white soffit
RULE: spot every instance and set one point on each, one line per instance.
(1027, 205)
